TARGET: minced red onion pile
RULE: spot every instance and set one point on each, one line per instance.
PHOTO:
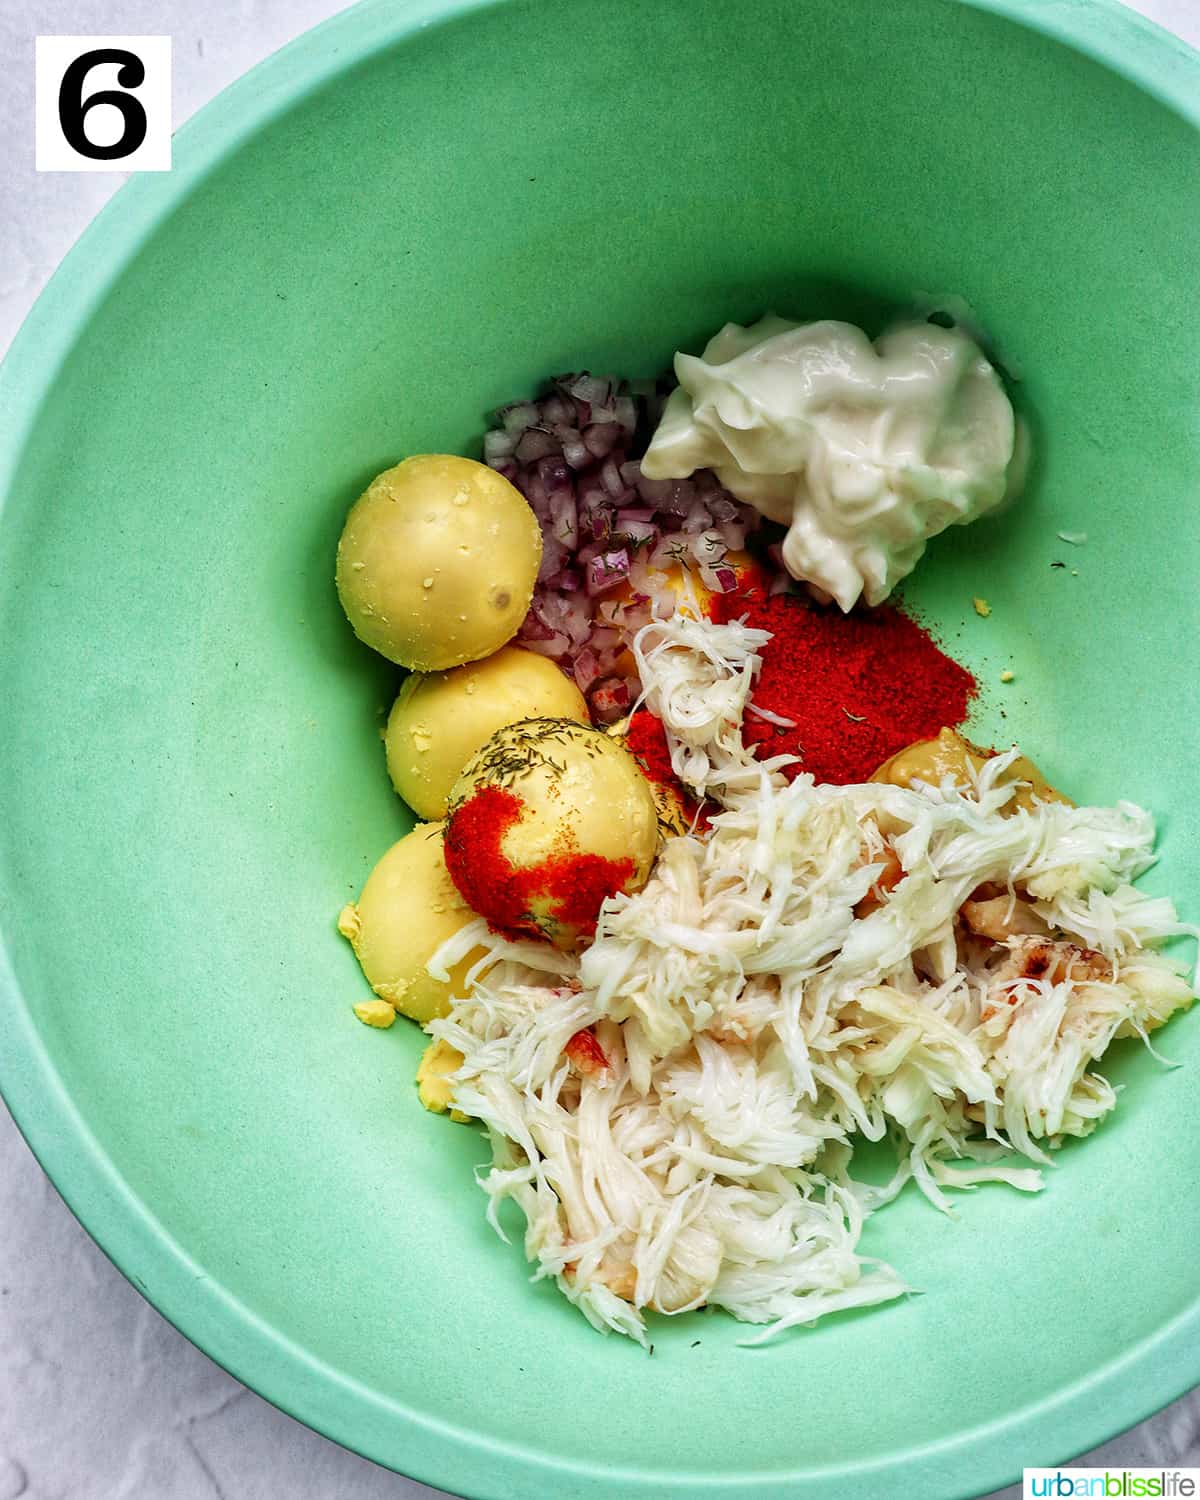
(608, 532)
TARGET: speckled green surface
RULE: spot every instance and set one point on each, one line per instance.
(381, 234)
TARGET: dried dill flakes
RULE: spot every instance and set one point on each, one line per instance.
(525, 748)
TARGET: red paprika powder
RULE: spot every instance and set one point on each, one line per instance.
(567, 888)
(857, 687)
(646, 739)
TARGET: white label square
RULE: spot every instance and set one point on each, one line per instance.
(103, 104)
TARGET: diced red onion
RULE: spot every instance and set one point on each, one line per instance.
(636, 614)
(556, 646)
(707, 548)
(609, 699)
(675, 496)
(656, 492)
(564, 520)
(535, 443)
(606, 661)
(547, 609)
(559, 411)
(733, 534)
(721, 580)
(554, 556)
(721, 508)
(600, 522)
(610, 478)
(585, 669)
(585, 387)
(591, 492)
(565, 581)
(535, 629)
(498, 444)
(638, 533)
(577, 621)
(520, 415)
(606, 571)
(600, 438)
(610, 613)
(697, 517)
(613, 540)
(573, 448)
(554, 473)
(534, 490)
(654, 584)
(670, 550)
(629, 513)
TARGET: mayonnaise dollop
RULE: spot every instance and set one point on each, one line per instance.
(863, 450)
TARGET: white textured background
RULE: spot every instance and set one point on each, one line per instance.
(100, 1398)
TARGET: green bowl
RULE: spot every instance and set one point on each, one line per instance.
(402, 220)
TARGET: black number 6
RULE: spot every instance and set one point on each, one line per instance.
(73, 107)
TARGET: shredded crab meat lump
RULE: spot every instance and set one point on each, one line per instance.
(674, 1111)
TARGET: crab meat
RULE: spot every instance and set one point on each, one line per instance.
(585, 1053)
(1003, 917)
(887, 880)
(1040, 958)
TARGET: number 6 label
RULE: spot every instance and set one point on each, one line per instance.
(103, 104)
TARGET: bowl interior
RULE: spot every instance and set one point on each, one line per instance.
(191, 773)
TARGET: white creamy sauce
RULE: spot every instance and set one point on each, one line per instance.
(864, 450)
